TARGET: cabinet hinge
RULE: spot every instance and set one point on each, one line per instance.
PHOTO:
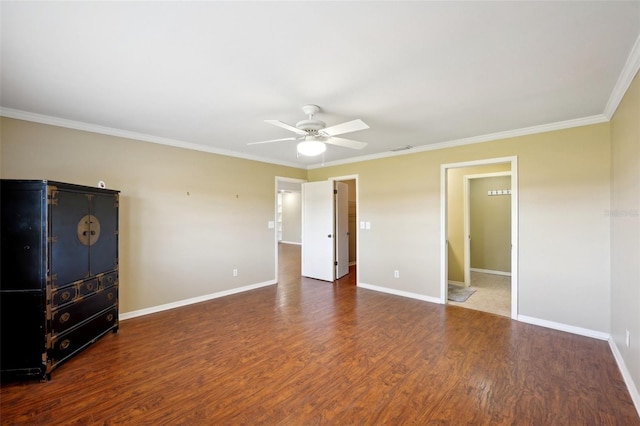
(52, 193)
(336, 263)
(52, 239)
(335, 191)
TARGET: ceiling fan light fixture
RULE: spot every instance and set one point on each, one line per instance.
(311, 147)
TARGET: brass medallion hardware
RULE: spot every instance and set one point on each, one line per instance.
(65, 344)
(88, 230)
(65, 317)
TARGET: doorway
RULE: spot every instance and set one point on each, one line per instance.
(326, 233)
(455, 251)
(287, 222)
(285, 185)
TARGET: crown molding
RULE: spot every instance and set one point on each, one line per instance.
(585, 121)
(627, 75)
(78, 125)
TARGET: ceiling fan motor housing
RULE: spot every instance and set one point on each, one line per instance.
(311, 125)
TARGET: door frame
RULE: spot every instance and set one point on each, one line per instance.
(444, 244)
(466, 180)
(275, 216)
(357, 184)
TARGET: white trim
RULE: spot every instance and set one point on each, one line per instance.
(185, 302)
(458, 283)
(564, 327)
(290, 242)
(626, 375)
(489, 271)
(78, 125)
(561, 125)
(513, 160)
(400, 293)
(627, 75)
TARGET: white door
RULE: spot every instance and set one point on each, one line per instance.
(342, 229)
(318, 255)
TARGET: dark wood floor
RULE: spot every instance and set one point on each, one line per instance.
(311, 352)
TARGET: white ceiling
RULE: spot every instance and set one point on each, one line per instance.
(206, 74)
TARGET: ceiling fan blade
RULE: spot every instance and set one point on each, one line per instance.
(347, 143)
(272, 140)
(286, 126)
(348, 127)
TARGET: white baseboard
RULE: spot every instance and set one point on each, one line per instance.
(489, 271)
(191, 301)
(458, 283)
(401, 293)
(564, 327)
(290, 242)
(628, 380)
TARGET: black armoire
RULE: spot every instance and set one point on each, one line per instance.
(59, 272)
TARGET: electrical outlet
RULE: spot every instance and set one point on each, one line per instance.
(628, 338)
(235, 272)
(396, 274)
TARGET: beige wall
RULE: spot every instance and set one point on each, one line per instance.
(490, 224)
(564, 236)
(625, 228)
(187, 218)
(176, 246)
(455, 214)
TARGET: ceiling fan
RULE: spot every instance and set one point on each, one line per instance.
(314, 135)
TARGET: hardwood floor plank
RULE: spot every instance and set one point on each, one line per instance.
(312, 352)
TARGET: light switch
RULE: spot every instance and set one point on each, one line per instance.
(362, 224)
(367, 225)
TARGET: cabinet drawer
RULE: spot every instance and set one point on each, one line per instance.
(63, 296)
(69, 316)
(107, 280)
(66, 345)
(88, 287)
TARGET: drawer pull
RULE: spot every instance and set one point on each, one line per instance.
(110, 296)
(65, 295)
(65, 344)
(109, 317)
(89, 286)
(65, 317)
(109, 279)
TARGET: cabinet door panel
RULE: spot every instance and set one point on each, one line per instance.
(69, 255)
(22, 322)
(23, 238)
(104, 251)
